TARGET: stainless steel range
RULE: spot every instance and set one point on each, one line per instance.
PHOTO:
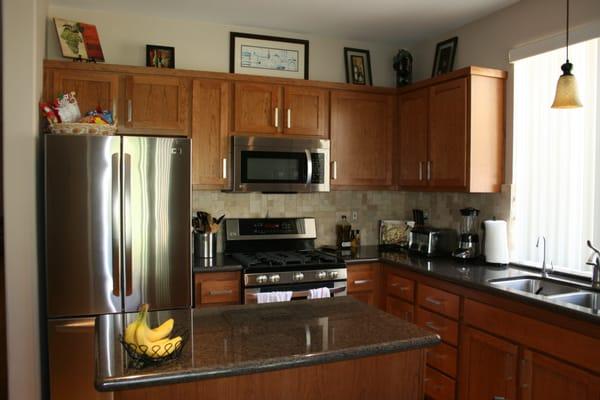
(278, 254)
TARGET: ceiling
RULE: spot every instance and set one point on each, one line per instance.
(389, 21)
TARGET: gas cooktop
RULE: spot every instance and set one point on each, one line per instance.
(287, 259)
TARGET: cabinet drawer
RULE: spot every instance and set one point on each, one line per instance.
(443, 357)
(361, 278)
(217, 288)
(438, 386)
(400, 287)
(446, 328)
(400, 308)
(439, 301)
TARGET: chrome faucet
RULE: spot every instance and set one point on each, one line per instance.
(544, 268)
(594, 261)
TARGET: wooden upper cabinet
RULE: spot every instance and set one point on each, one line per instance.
(544, 378)
(210, 130)
(488, 367)
(306, 111)
(413, 109)
(257, 108)
(92, 89)
(361, 139)
(157, 103)
(447, 167)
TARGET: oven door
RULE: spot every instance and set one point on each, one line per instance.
(300, 290)
(280, 165)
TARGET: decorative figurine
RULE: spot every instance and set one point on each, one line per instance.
(403, 67)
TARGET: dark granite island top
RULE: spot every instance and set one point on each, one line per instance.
(235, 340)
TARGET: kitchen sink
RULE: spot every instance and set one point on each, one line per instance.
(583, 299)
(533, 285)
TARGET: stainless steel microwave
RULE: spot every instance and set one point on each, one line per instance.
(279, 165)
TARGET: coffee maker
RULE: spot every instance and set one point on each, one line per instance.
(468, 245)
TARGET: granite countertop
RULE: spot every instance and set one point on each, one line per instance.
(234, 340)
(474, 274)
(220, 263)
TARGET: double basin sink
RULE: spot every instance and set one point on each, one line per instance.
(551, 289)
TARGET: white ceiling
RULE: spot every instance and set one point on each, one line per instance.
(390, 21)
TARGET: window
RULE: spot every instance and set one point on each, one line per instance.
(556, 160)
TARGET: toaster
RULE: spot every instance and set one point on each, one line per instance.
(429, 241)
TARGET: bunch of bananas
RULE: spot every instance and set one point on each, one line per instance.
(155, 342)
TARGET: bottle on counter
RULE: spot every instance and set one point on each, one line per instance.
(342, 233)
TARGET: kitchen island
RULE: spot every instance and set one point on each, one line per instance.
(334, 348)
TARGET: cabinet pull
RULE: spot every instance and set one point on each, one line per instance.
(507, 367)
(220, 292)
(433, 326)
(361, 281)
(276, 117)
(129, 110)
(224, 168)
(428, 170)
(334, 170)
(289, 118)
(401, 288)
(434, 301)
(420, 171)
(524, 375)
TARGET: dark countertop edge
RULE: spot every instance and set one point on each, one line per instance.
(163, 378)
(218, 268)
(363, 260)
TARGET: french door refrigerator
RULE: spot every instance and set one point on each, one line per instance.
(117, 212)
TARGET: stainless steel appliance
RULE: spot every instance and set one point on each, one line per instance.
(430, 241)
(278, 254)
(279, 165)
(117, 215)
(468, 245)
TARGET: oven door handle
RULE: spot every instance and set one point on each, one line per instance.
(305, 293)
(308, 167)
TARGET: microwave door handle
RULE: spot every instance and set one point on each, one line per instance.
(308, 167)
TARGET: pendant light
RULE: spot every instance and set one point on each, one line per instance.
(567, 95)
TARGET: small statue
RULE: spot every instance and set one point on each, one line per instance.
(403, 67)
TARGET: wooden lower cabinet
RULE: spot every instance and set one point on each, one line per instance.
(443, 357)
(488, 367)
(363, 282)
(445, 327)
(217, 288)
(438, 386)
(545, 378)
(400, 308)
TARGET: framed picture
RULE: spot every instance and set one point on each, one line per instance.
(444, 56)
(160, 56)
(78, 40)
(268, 56)
(358, 66)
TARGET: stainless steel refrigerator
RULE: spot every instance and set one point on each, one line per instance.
(117, 214)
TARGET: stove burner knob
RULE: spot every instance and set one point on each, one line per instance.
(274, 278)
(261, 279)
(298, 276)
(322, 275)
(333, 274)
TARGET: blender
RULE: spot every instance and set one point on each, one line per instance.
(468, 246)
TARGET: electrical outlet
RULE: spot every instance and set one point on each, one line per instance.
(354, 215)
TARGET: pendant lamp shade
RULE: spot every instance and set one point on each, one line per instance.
(567, 95)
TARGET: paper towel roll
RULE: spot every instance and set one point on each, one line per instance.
(496, 242)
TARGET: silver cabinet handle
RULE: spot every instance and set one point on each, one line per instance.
(428, 170)
(334, 170)
(276, 117)
(420, 170)
(116, 227)
(361, 281)
(434, 301)
(129, 111)
(220, 292)
(289, 118)
(224, 168)
(433, 326)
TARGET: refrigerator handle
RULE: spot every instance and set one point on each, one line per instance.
(127, 223)
(116, 224)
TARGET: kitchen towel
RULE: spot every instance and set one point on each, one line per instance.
(319, 293)
(496, 242)
(273, 297)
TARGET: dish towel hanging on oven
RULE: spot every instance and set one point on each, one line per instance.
(273, 297)
(319, 293)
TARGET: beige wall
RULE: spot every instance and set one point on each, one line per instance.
(23, 50)
(205, 46)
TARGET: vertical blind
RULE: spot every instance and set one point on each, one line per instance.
(556, 160)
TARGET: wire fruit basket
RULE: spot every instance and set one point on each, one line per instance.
(140, 356)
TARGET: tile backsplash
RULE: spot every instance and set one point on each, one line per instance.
(371, 206)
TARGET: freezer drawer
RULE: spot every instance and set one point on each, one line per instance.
(71, 359)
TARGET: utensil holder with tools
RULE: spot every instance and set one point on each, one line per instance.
(205, 234)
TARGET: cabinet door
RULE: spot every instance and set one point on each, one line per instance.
(413, 111)
(544, 378)
(210, 111)
(361, 138)
(488, 367)
(92, 89)
(217, 288)
(257, 108)
(365, 297)
(448, 139)
(306, 111)
(400, 308)
(157, 103)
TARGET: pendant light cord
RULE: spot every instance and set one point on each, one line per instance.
(567, 30)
